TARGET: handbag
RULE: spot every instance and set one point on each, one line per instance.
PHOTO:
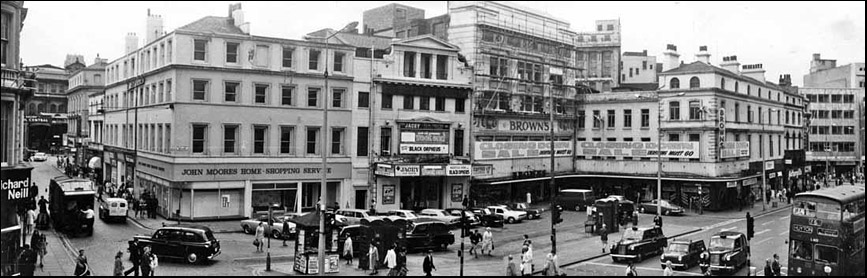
(256, 242)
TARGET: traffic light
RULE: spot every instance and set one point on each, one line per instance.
(465, 224)
(555, 214)
(750, 228)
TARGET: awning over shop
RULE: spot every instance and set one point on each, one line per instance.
(95, 163)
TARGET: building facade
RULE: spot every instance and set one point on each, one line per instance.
(638, 71)
(46, 112)
(598, 56)
(824, 73)
(178, 120)
(83, 83)
(836, 147)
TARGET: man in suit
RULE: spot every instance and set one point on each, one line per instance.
(428, 264)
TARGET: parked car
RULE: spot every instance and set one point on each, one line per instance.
(683, 253)
(440, 215)
(667, 207)
(354, 216)
(354, 232)
(489, 218)
(429, 234)
(113, 209)
(39, 157)
(475, 220)
(511, 216)
(274, 231)
(401, 214)
(532, 213)
(577, 199)
(636, 244)
(193, 243)
(728, 251)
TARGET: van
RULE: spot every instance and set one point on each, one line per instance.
(113, 208)
(577, 199)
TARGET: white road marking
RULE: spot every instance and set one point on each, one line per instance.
(643, 268)
(784, 233)
(786, 217)
(766, 223)
(717, 225)
(763, 231)
(729, 228)
(764, 240)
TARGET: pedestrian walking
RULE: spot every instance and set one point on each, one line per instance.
(286, 233)
(373, 258)
(39, 244)
(135, 206)
(42, 220)
(347, 249)
(488, 241)
(704, 262)
(89, 217)
(630, 269)
(768, 270)
(154, 263)
(31, 221)
(260, 235)
(145, 263)
(551, 268)
(657, 220)
(474, 241)
(775, 266)
(668, 271)
(26, 261)
(391, 261)
(603, 235)
(81, 266)
(528, 242)
(118, 264)
(135, 257)
(428, 264)
(526, 261)
(635, 217)
(511, 268)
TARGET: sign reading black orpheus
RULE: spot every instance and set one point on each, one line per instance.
(424, 138)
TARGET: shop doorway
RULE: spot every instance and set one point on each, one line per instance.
(360, 199)
(421, 193)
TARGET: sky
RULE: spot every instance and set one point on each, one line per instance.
(780, 35)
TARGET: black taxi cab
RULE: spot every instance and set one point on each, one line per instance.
(683, 254)
(638, 243)
(193, 243)
(728, 251)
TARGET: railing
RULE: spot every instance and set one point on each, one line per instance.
(13, 78)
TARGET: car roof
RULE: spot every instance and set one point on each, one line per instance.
(187, 227)
(576, 190)
(115, 199)
(685, 241)
(355, 210)
(728, 234)
(634, 228)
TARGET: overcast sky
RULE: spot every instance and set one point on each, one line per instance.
(781, 35)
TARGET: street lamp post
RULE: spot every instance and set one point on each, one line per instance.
(324, 148)
(659, 149)
(271, 234)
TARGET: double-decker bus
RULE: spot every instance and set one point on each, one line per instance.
(826, 236)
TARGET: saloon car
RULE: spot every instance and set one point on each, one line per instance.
(274, 231)
(683, 254)
(667, 207)
(440, 215)
(475, 219)
(401, 214)
(638, 243)
(511, 216)
(354, 216)
(422, 235)
(193, 243)
(39, 157)
(532, 213)
(489, 218)
(728, 251)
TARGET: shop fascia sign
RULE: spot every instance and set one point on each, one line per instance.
(514, 149)
(639, 149)
(769, 165)
(16, 185)
(424, 138)
(529, 126)
(415, 170)
(735, 149)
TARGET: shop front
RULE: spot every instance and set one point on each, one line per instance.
(16, 196)
(420, 186)
(207, 191)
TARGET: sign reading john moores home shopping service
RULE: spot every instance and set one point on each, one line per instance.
(242, 171)
(639, 149)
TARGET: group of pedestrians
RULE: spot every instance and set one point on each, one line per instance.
(394, 260)
(142, 258)
(29, 256)
(145, 206)
(773, 268)
(481, 242)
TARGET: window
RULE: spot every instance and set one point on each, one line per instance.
(337, 141)
(287, 136)
(836, 114)
(386, 101)
(385, 140)
(827, 254)
(261, 93)
(425, 66)
(287, 56)
(611, 118)
(674, 83)
(596, 119)
(850, 98)
(824, 98)
(424, 103)
(627, 118)
(673, 137)
(361, 140)
(6, 19)
(200, 138)
(801, 250)
(287, 95)
(441, 104)
(312, 97)
(260, 135)
(644, 65)
(442, 63)
(736, 86)
(499, 67)
(749, 114)
(694, 137)
(760, 115)
(849, 114)
(231, 93)
(409, 64)
(230, 141)
(199, 50)
(200, 89)
(408, 102)
(338, 61)
(836, 130)
(459, 104)
(694, 83)
(674, 110)
(645, 117)
(231, 52)
(582, 121)
(459, 142)
(695, 110)
(337, 98)
(836, 98)
(363, 99)
(312, 140)
(313, 59)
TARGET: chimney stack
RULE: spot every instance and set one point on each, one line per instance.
(817, 64)
(154, 27)
(237, 18)
(754, 71)
(131, 42)
(97, 60)
(671, 59)
(730, 63)
(786, 80)
(703, 56)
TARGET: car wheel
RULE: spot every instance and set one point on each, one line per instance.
(444, 246)
(640, 257)
(276, 235)
(511, 220)
(192, 258)
(641, 210)
(666, 212)
(247, 230)
(578, 208)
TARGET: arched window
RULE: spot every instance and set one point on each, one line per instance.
(41, 108)
(52, 108)
(694, 83)
(62, 108)
(722, 83)
(675, 83)
(31, 109)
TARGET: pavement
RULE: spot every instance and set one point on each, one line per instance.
(217, 227)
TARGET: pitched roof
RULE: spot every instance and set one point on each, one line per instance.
(634, 53)
(701, 67)
(365, 41)
(214, 24)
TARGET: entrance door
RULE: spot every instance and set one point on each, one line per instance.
(360, 199)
